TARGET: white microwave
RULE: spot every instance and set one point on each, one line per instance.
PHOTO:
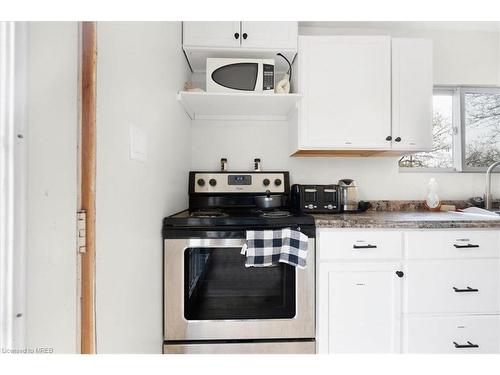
(240, 75)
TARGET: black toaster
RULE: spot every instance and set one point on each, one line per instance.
(316, 198)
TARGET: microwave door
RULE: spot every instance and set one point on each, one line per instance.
(238, 76)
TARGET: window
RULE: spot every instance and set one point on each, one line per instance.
(466, 131)
(481, 127)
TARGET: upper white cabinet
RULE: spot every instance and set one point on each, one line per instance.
(240, 40)
(411, 94)
(345, 83)
(363, 95)
(211, 34)
(269, 35)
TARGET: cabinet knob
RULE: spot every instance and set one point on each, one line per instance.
(388, 138)
(398, 139)
(245, 35)
(400, 273)
(236, 35)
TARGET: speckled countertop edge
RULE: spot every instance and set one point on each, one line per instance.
(407, 219)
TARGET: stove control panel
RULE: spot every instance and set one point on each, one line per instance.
(228, 182)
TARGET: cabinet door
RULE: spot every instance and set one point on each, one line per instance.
(211, 34)
(359, 308)
(452, 334)
(345, 83)
(452, 286)
(272, 35)
(411, 94)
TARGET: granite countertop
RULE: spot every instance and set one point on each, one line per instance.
(406, 219)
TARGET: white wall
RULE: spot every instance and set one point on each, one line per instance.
(377, 177)
(140, 69)
(52, 194)
(460, 57)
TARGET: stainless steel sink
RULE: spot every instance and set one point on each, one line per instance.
(481, 212)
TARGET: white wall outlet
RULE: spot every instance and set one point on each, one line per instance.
(138, 143)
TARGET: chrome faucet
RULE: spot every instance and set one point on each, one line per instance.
(488, 201)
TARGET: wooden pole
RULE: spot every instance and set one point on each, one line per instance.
(88, 169)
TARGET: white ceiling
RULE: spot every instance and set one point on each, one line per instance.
(410, 25)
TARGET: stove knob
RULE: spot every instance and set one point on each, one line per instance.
(212, 182)
(330, 207)
(277, 182)
(201, 182)
(310, 206)
(266, 182)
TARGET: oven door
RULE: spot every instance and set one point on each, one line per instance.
(209, 294)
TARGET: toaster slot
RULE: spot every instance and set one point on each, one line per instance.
(330, 195)
(310, 195)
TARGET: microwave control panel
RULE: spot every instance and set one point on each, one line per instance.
(268, 77)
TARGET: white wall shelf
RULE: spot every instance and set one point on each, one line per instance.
(238, 106)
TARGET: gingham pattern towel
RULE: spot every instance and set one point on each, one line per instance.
(267, 247)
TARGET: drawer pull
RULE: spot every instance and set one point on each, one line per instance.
(468, 246)
(468, 345)
(468, 290)
(364, 246)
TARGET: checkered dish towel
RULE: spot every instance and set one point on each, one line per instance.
(267, 247)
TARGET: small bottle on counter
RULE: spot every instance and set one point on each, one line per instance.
(432, 201)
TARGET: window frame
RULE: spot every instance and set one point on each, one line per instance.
(471, 90)
(458, 125)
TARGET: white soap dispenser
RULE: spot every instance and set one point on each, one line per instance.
(432, 201)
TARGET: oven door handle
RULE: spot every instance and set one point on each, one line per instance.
(217, 242)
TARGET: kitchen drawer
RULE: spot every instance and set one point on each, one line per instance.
(452, 286)
(433, 244)
(455, 334)
(362, 245)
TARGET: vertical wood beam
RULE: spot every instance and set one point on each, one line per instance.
(88, 170)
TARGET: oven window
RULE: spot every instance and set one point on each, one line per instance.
(241, 76)
(217, 285)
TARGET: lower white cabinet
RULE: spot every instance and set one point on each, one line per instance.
(409, 291)
(452, 286)
(452, 334)
(360, 306)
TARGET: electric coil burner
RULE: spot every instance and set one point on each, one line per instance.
(207, 213)
(212, 302)
(275, 213)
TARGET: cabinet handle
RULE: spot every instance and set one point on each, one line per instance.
(468, 246)
(468, 290)
(398, 139)
(364, 246)
(468, 345)
(245, 35)
(236, 35)
(388, 138)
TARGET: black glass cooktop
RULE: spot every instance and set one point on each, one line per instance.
(238, 217)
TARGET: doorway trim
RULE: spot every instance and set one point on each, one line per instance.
(88, 183)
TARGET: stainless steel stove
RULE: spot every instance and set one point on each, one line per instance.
(212, 302)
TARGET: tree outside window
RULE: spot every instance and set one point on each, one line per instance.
(473, 132)
(482, 129)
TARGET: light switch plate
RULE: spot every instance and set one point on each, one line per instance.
(138, 143)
